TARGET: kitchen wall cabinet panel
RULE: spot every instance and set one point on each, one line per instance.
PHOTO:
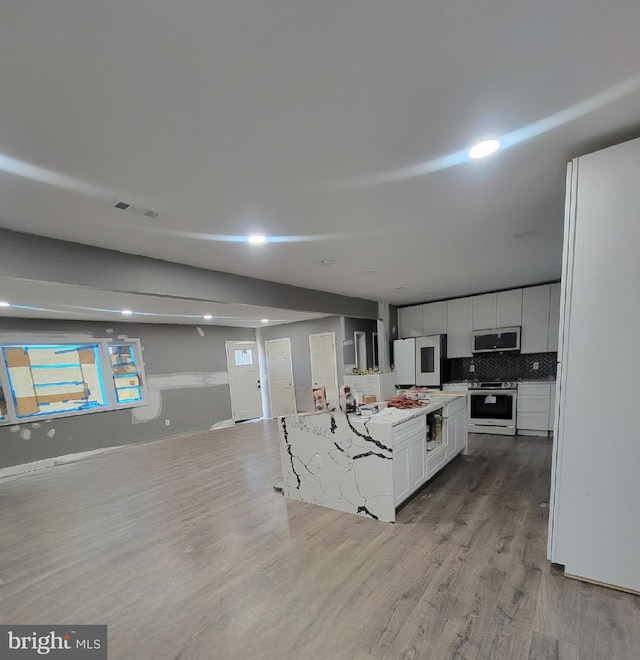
(401, 472)
(536, 309)
(536, 302)
(593, 519)
(410, 321)
(554, 317)
(434, 318)
(552, 407)
(534, 408)
(459, 327)
(417, 460)
(509, 308)
(484, 311)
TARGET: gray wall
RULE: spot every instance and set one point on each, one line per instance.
(168, 349)
(298, 334)
(47, 259)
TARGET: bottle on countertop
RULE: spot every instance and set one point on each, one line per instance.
(349, 401)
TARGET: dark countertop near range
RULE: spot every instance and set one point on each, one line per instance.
(532, 379)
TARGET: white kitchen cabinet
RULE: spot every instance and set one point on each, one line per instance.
(552, 407)
(417, 460)
(456, 427)
(436, 460)
(593, 518)
(532, 408)
(401, 472)
(434, 318)
(410, 321)
(536, 301)
(484, 311)
(509, 308)
(409, 449)
(454, 436)
(459, 327)
(554, 317)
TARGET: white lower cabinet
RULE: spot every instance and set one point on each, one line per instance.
(535, 408)
(401, 472)
(457, 429)
(412, 463)
(417, 463)
(437, 459)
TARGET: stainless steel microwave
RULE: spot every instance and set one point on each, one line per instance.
(497, 339)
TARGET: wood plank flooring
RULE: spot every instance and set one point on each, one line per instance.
(185, 550)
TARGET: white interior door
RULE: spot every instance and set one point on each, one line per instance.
(280, 373)
(244, 379)
(324, 372)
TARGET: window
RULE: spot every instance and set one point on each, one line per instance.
(48, 379)
(244, 357)
(54, 379)
(126, 378)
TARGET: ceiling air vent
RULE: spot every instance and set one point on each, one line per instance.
(134, 208)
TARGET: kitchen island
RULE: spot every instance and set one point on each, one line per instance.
(370, 465)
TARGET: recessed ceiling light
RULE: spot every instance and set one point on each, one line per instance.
(207, 317)
(484, 148)
(527, 234)
(265, 320)
(327, 262)
(126, 312)
(256, 239)
(4, 304)
(365, 273)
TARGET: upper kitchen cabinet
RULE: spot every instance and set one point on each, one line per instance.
(484, 311)
(509, 308)
(497, 310)
(434, 318)
(536, 304)
(410, 321)
(459, 327)
(554, 317)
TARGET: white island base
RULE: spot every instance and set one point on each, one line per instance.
(368, 466)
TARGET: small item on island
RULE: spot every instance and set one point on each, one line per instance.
(349, 400)
(370, 409)
(419, 393)
(404, 403)
(319, 399)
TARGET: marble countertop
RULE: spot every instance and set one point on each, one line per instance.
(395, 416)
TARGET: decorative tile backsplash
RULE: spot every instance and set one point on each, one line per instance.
(505, 366)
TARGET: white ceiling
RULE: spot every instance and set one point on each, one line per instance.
(241, 116)
(49, 300)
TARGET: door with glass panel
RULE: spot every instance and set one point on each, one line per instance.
(244, 380)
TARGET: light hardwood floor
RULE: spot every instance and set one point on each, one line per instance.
(185, 550)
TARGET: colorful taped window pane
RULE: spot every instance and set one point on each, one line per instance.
(46, 380)
(3, 406)
(244, 357)
(126, 377)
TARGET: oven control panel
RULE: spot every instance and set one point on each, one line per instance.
(493, 385)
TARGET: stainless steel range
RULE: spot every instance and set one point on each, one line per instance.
(492, 407)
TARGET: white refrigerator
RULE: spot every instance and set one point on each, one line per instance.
(420, 361)
(594, 522)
